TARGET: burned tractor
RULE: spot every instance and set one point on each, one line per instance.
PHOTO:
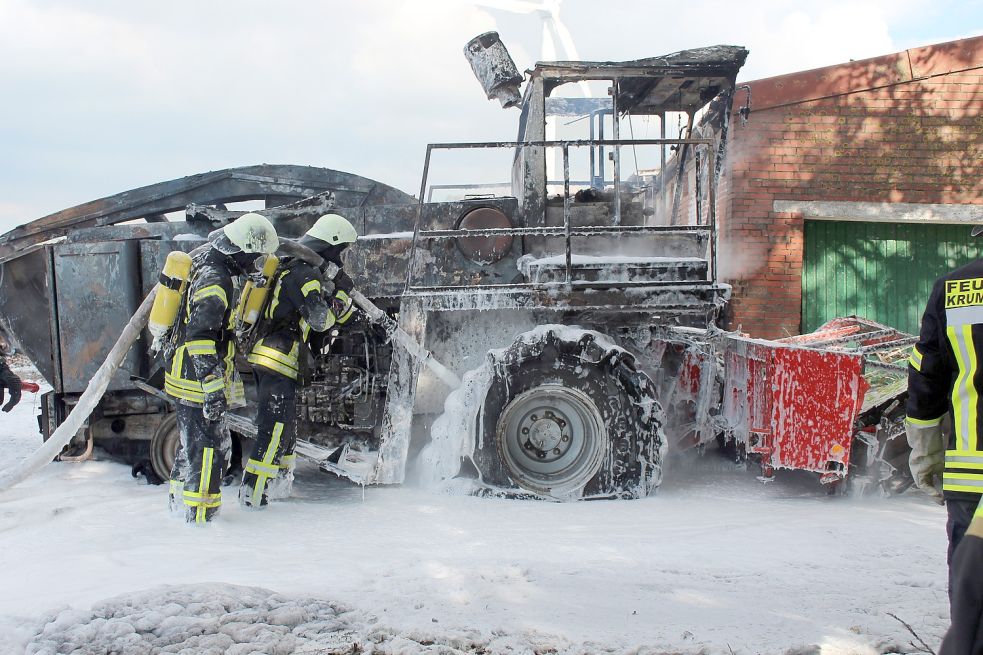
(578, 300)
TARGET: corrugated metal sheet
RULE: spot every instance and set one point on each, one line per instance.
(881, 271)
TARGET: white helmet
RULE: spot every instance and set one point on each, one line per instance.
(332, 229)
(251, 233)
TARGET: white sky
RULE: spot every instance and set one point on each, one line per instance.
(103, 96)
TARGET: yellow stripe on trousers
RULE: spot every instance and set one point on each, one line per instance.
(204, 484)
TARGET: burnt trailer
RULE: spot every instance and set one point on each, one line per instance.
(577, 299)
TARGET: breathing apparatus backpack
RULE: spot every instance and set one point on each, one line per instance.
(173, 284)
(253, 301)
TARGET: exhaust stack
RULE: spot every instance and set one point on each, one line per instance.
(494, 68)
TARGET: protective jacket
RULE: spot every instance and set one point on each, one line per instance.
(944, 374)
(203, 359)
(299, 304)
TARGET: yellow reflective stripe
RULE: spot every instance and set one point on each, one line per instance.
(305, 329)
(206, 475)
(237, 394)
(964, 395)
(184, 383)
(274, 444)
(916, 359)
(193, 497)
(276, 295)
(259, 468)
(201, 347)
(175, 388)
(178, 362)
(209, 291)
(184, 395)
(957, 481)
(273, 365)
(313, 285)
(284, 358)
(927, 423)
(230, 355)
(212, 386)
(973, 400)
(961, 459)
(190, 385)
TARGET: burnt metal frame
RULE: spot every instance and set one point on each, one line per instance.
(567, 231)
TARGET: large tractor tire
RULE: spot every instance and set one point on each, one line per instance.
(568, 416)
(163, 446)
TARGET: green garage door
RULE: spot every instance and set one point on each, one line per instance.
(881, 271)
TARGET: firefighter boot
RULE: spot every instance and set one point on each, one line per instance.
(175, 499)
(252, 491)
(281, 486)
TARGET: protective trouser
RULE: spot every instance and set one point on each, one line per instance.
(269, 471)
(965, 635)
(960, 515)
(196, 478)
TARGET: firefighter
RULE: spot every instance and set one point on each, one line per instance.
(944, 378)
(965, 636)
(200, 372)
(8, 380)
(304, 299)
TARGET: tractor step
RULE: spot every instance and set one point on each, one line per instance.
(613, 269)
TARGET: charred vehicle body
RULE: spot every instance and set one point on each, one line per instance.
(577, 301)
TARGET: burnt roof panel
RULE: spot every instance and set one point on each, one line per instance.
(680, 81)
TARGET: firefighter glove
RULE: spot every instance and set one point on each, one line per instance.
(215, 402)
(342, 306)
(927, 459)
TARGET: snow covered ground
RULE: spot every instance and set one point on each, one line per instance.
(715, 563)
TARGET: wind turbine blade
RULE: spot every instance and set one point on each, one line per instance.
(548, 52)
(566, 40)
(514, 6)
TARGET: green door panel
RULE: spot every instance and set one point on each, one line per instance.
(881, 271)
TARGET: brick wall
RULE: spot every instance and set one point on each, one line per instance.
(906, 128)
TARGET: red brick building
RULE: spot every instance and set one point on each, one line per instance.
(844, 185)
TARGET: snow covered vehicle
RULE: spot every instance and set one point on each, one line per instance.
(578, 302)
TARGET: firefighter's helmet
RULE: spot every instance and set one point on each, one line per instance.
(252, 233)
(329, 230)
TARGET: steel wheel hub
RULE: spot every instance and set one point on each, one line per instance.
(552, 439)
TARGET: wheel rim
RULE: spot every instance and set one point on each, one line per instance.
(552, 439)
(169, 448)
(164, 445)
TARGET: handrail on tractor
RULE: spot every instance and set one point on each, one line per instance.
(567, 231)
